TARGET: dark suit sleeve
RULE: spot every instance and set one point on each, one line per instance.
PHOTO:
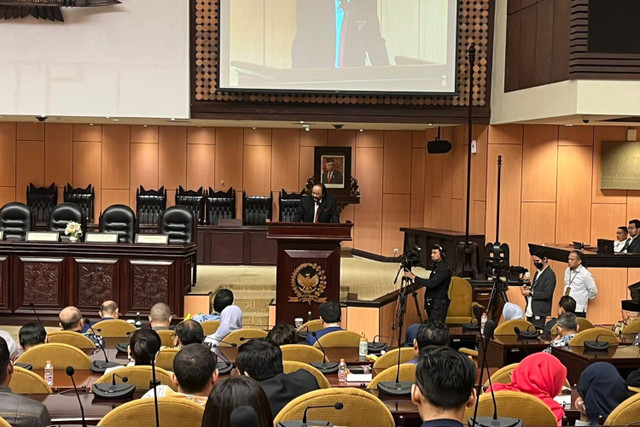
(545, 287)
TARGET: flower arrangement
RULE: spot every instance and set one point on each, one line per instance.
(73, 230)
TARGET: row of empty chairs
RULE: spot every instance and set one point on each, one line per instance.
(42, 200)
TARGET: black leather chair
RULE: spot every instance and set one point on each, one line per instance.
(63, 214)
(256, 209)
(119, 219)
(15, 220)
(84, 198)
(288, 204)
(41, 200)
(179, 223)
(192, 200)
(220, 205)
(150, 204)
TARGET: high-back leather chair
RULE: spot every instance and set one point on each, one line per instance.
(256, 209)
(193, 200)
(179, 224)
(15, 220)
(41, 200)
(288, 204)
(220, 205)
(150, 204)
(119, 219)
(64, 213)
(84, 198)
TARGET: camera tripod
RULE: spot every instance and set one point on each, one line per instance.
(406, 286)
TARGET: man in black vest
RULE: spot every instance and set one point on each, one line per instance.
(539, 293)
(320, 207)
(436, 296)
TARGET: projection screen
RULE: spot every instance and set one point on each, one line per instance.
(351, 46)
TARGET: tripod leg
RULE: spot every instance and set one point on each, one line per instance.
(415, 299)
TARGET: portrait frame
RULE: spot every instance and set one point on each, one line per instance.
(340, 157)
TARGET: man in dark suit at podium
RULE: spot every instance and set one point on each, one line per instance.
(320, 207)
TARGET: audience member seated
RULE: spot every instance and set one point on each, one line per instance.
(137, 350)
(71, 320)
(12, 345)
(630, 312)
(282, 333)
(160, 317)
(540, 375)
(31, 335)
(512, 311)
(17, 410)
(221, 300)
(566, 304)
(230, 320)
(601, 389)
(567, 328)
(330, 314)
(109, 310)
(187, 332)
(622, 235)
(444, 387)
(431, 332)
(231, 393)
(194, 374)
(262, 361)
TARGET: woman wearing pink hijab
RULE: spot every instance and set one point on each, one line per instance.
(540, 375)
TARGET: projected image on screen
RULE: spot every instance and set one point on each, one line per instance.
(404, 46)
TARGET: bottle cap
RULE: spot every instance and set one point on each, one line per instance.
(342, 360)
(48, 362)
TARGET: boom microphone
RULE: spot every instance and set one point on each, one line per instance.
(113, 390)
(153, 345)
(99, 366)
(33, 307)
(324, 367)
(70, 371)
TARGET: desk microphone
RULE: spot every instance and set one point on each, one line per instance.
(337, 406)
(113, 390)
(597, 345)
(153, 345)
(379, 346)
(33, 307)
(226, 365)
(70, 371)
(524, 336)
(324, 367)
(397, 387)
(99, 366)
(477, 314)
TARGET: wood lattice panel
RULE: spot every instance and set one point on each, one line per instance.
(474, 25)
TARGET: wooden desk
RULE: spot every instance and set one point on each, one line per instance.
(334, 354)
(459, 337)
(625, 358)
(235, 245)
(55, 275)
(507, 349)
(591, 256)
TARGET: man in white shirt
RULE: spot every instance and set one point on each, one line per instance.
(579, 283)
(622, 235)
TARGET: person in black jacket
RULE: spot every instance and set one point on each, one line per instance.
(633, 244)
(262, 361)
(320, 207)
(436, 296)
(539, 293)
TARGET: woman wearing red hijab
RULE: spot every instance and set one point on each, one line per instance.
(540, 375)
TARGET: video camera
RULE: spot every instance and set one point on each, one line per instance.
(410, 257)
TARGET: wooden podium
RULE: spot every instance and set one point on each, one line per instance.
(308, 268)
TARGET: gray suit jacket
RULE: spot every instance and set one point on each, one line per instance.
(20, 411)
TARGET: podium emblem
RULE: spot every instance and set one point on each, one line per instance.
(308, 282)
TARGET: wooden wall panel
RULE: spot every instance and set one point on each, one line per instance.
(172, 156)
(306, 166)
(285, 160)
(537, 225)
(87, 133)
(458, 215)
(479, 165)
(417, 187)
(436, 214)
(395, 214)
(257, 136)
(539, 163)
(200, 165)
(114, 197)
(87, 167)
(116, 151)
(342, 138)
(506, 134)
(228, 168)
(29, 167)
(371, 139)
(477, 223)
(30, 131)
(257, 170)
(428, 189)
(612, 288)
(201, 135)
(459, 163)
(314, 138)
(8, 154)
(577, 135)
(58, 156)
(605, 220)
(7, 194)
(573, 216)
(605, 134)
(368, 214)
(144, 168)
(145, 133)
(397, 162)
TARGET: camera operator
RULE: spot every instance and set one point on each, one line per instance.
(436, 298)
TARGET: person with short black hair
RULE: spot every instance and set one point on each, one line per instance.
(538, 294)
(18, 410)
(622, 236)
(567, 325)
(221, 300)
(230, 320)
(432, 332)
(436, 295)
(31, 334)
(187, 332)
(633, 243)
(281, 334)
(138, 346)
(331, 316)
(194, 375)
(566, 304)
(230, 393)
(444, 386)
(320, 207)
(160, 316)
(109, 310)
(262, 361)
(579, 283)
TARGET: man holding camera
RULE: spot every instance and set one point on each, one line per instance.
(436, 295)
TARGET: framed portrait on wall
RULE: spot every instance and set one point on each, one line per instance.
(333, 168)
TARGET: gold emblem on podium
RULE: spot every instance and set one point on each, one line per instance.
(308, 282)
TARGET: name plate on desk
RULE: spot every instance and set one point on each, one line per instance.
(153, 239)
(101, 238)
(42, 236)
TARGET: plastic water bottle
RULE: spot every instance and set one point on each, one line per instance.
(138, 323)
(342, 371)
(363, 348)
(48, 373)
(483, 321)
